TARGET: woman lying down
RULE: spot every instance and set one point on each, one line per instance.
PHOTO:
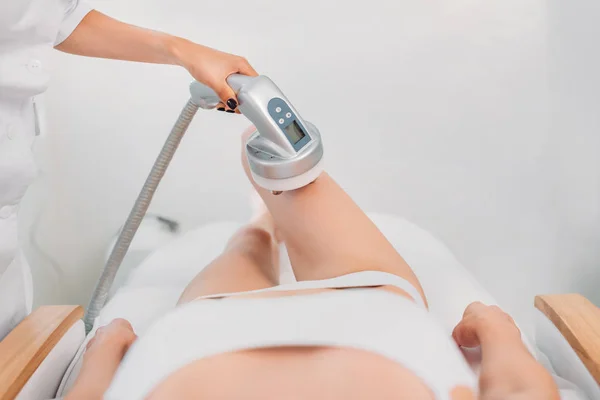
(355, 325)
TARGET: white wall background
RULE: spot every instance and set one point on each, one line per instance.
(477, 120)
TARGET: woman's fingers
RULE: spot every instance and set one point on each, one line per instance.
(223, 108)
(227, 96)
(479, 319)
(118, 332)
(120, 323)
(474, 308)
(465, 333)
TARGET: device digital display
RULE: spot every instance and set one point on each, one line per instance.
(294, 132)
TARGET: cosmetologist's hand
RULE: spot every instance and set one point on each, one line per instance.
(212, 67)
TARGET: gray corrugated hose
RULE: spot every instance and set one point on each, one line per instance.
(136, 215)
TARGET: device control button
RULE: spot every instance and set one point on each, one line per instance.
(278, 109)
(288, 115)
(281, 120)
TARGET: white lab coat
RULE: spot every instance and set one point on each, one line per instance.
(28, 31)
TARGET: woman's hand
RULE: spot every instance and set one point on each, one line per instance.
(101, 359)
(212, 67)
(112, 340)
(480, 322)
(508, 370)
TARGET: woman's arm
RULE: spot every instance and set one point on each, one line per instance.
(101, 36)
(508, 370)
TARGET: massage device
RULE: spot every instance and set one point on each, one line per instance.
(284, 153)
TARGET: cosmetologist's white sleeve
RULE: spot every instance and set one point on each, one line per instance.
(75, 11)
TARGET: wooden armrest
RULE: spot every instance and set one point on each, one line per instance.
(578, 320)
(24, 349)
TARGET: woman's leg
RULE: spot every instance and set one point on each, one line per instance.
(327, 234)
(249, 262)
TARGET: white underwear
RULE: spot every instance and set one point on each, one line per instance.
(363, 318)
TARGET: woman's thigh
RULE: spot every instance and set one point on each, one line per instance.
(246, 264)
(328, 235)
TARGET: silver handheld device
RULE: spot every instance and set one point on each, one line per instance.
(285, 152)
